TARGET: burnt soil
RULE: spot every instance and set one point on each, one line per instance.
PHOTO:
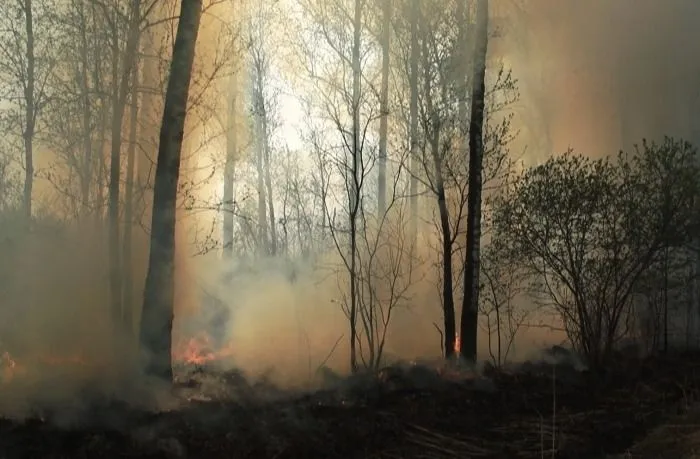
(405, 413)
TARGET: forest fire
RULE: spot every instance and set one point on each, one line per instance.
(198, 350)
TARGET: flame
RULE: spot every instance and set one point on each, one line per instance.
(457, 346)
(199, 350)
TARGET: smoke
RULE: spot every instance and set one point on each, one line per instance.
(598, 75)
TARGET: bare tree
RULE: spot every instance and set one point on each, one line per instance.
(384, 106)
(26, 64)
(157, 317)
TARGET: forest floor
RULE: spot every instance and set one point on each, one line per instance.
(408, 412)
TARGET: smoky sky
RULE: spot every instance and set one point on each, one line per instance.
(603, 74)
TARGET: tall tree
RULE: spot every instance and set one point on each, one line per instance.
(356, 178)
(127, 272)
(413, 115)
(384, 106)
(470, 302)
(159, 292)
(25, 66)
(229, 167)
(121, 76)
(30, 111)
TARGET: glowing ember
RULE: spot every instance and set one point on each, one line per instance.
(199, 350)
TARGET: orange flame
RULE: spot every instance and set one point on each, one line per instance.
(199, 350)
(457, 346)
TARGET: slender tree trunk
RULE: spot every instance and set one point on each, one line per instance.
(260, 170)
(268, 180)
(462, 69)
(413, 115)
(384, 108)
(159, 292)
(355, 180)
(448, 306)
(86, 172)
(29, 114)
(470, 303)
(128, 273)
(120, 90)
(229, 169)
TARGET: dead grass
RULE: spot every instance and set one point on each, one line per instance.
(679, 438)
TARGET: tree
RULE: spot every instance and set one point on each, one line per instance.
(157, 316)
(26, 64)
(413, 113)
(588, 230)
(470, 303)
(122, 65)
(384, 106)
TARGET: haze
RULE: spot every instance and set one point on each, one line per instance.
(269, 101)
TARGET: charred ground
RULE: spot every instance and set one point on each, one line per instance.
(407, 411)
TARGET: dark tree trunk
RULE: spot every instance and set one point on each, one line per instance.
(355, 181)
(120, 91)
(159, 291)
(470, 303)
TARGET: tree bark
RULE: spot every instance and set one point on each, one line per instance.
(470, 302)
(384, 109)
(157, 317)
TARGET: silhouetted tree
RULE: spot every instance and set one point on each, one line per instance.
(157, 317)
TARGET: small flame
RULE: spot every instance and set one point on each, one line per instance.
(457, 346)
(199, 350)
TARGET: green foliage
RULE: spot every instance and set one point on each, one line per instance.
(586, 231)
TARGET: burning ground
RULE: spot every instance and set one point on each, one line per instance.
(408, 410)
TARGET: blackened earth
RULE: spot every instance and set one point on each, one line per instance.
(408, 411)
